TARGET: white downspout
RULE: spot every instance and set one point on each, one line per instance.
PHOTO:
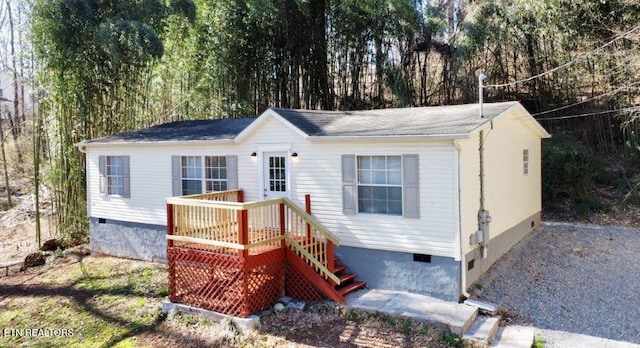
(463, 261)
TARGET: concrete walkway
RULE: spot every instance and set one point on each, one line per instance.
(458, 318)
(453, 316)
(563, 339)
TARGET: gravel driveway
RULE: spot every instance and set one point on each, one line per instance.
(577, 278)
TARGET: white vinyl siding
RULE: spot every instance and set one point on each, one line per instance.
(151, 177)
(510, 196)
(315, 171)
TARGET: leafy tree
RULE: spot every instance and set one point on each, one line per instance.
(97, 57)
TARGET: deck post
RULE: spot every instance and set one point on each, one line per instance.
(282, 215)
(170, 263)
(307, 206)
(330, 258)
(243, 231)
(170, 224)
(240, 196)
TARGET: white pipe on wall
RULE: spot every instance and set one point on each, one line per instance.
(480, 79)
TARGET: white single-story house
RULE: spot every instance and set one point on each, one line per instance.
(423, 199)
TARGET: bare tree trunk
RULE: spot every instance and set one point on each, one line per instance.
(37, 138)
(4, 164)
(15, 120)
(21, 45)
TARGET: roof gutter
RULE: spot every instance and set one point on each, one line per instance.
(86, 144)
(407, 138)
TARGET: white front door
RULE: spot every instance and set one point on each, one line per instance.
(276, 171)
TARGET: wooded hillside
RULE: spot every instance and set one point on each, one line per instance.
(100, 67)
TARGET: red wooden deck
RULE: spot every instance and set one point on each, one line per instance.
(244, 272)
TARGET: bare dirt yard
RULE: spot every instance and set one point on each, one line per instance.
(18, 230)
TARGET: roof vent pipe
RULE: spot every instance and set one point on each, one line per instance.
(480, 79)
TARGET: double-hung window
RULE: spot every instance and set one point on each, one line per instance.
(114, 176)
(203, 174)
(215, 174)
(191, 175)
(379, 184)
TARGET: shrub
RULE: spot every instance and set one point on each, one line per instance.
(570, 171)
(634, 199)
(589, 203)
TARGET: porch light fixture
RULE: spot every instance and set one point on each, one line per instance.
(295, 154)
(253, 154)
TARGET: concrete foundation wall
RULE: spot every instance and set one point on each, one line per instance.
(499, 246)
(128, 239)
(391, 270)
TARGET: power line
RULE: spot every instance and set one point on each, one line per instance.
(584, 55)
(632, 108)
(587, 100)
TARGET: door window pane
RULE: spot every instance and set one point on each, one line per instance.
(277, 176)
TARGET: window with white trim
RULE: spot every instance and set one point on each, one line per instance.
(379, 180)
(525, 162)
(191, 175)
(215, 175)
(115, 175)
(198, 178)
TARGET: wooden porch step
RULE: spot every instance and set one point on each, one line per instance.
(347, 277)
(340, 269)
(351, 288)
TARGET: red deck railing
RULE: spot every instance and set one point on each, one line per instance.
(228, 256)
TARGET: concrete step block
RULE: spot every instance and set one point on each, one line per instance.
(484, 307)
(481, 332)
(514, 336)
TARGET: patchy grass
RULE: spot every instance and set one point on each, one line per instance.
(95, 302)
(538, 343)
(79, 301)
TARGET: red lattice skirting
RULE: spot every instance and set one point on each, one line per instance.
(224, 283)
(299, 287)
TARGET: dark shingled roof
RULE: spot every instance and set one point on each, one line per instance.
(416, 121)
(218, 129)
(451, 120)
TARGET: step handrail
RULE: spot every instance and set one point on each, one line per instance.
(311, 221)
(324, 271)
